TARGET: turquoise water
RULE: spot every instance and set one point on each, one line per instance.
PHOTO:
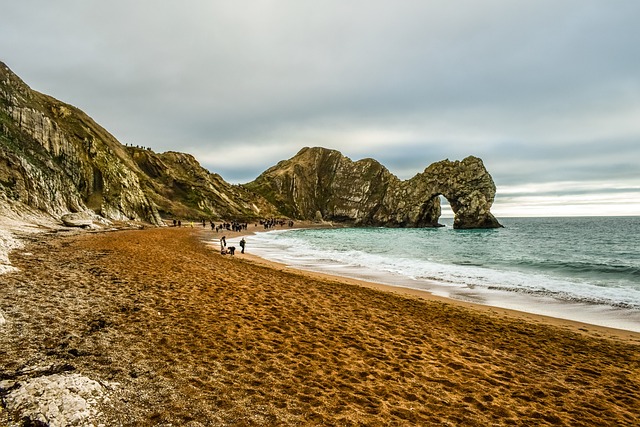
(581, 268)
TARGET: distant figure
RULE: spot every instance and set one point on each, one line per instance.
(232, 250)
(179, 223)
(174, 222)
(242, 243)
(224, 241)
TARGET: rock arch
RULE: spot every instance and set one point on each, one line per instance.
(465, 184)
(366, 193)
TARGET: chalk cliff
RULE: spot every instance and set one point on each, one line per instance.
(318, 182)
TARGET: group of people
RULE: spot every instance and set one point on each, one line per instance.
(230, 226)
(271, 223)
(238, 226)
(231, 250)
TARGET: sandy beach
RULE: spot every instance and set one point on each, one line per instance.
(177, 334)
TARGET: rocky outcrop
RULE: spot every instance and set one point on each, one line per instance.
(56, 159)
(366, 193)
(325, 181)
(466, 185)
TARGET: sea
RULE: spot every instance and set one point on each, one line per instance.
(585, 269)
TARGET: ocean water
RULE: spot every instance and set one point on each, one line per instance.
(585, 269)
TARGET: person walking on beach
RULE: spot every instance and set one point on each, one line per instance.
(223, 245)
(242, 243)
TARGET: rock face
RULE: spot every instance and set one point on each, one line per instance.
(56, 159)
(366, 193)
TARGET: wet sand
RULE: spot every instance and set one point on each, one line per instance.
(181, 335)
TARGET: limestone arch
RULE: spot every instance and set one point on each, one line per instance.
(467, 187)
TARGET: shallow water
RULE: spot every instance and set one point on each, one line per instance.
(585, 269)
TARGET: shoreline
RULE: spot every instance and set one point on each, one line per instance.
(578, 326)
(582, 327)
(154, 327)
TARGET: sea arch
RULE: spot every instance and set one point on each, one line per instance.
(466, 185)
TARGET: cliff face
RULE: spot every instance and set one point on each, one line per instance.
(56, 159)
(320, 182)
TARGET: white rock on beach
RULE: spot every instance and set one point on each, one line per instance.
(78, 219)
(57, 400)
(7, 243)
(27, 221)
(13, 222)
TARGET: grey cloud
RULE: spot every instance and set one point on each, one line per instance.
(576, 192)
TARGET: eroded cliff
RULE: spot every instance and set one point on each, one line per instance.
(56, 159)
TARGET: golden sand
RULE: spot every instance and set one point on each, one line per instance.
(185, 336)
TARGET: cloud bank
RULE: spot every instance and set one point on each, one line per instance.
(546, 93)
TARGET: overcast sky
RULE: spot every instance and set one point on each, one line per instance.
(547, 93)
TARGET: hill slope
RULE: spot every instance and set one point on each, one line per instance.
(56, 159)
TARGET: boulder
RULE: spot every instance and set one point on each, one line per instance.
(77, 220)
(55, 400)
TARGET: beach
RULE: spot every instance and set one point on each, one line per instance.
(175, 333)
(566, 268)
